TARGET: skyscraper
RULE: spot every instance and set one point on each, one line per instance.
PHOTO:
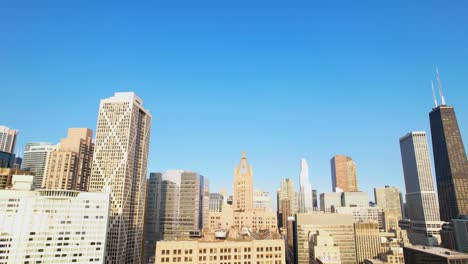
(69, 165)
(451, 165)
(388, 199)
(288, 191)
(120, 166)
(243, 185)
(7, 139)
(344, 174)
(261, 199)
(305, 189)
(421, 198)
(180, 203)
(35, 160)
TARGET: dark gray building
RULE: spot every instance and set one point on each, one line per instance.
(451, 165)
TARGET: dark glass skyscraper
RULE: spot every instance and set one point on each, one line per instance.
(451, 165)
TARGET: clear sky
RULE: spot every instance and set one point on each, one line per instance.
(280, 80)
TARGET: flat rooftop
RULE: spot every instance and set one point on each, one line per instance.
(438, 251)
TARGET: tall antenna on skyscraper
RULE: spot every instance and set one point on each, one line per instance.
(440, 87)
(434, 95)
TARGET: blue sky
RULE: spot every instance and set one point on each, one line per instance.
(280, 80)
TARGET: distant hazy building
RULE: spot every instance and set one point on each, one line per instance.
(262, 200)
(330, 200)
(35, 159)
(229, 251)
(341, 228)
(315, 202)
(421, 198)
(425, 255)
(367, 237)
(305, 201)
(323, 249)
(388, 199)
(354, 199)
(243, 185)
(69, 165)
(344, 173)
(6, 176)
(120, 164)
(216, 202)
(7, 139)
(17, 163)
(364, 214)
(288, 191)
(451, 165)
(179, 204)
(52, 226)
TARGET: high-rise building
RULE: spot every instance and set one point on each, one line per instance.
(262, 200)
(305, 202)
(329, 201)
(216, 202)
(7, 159)
(367, 237)
(287, 190)
(388, 199)
(354, 199)
(315, 202)
(341, 228)
(69, 165)
(179, 204)
(150, 219)
(364, 214)
(421, 198)
(120, 165)
(451, 165)
(344, 173)
(243, 185)
(35, 160)
(7, 139)
(52, 226)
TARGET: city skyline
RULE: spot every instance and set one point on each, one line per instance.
(228, 77)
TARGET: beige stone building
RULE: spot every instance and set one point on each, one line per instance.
(256, 219)
(388, 199)
(120, 164)
(344, 174)
(68, 167)
(230, 251)
(368, 242)
(243, 186)
(6, 176)
(287, 191)
(340, 227)
(323, 249)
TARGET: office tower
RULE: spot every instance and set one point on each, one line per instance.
(6, 176)
(287, 191)
(17, 163)
(425, 255)
(367, 237)
(364, 214)
(261, 200)
(150, 218)
(6, 159)
(305, 202)
(341, 228)
(329, 201)
(179, 204)
(120, 166)
(421, 198)
(344, 174)
(388, 199)
(35, 160)
(243, 185)
(451, 165)
(69, 165)
(285, 212)
(324, 249)
(216, 202)
(232, 251)
(7, 139)
(354, 199)
(314, 199)
(52, 226)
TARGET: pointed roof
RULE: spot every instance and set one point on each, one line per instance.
(243, 169)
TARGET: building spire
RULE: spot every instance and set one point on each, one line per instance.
(434, 95)
(440, 87)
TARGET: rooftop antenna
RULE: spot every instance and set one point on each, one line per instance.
(434, 95)
(440, 87)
